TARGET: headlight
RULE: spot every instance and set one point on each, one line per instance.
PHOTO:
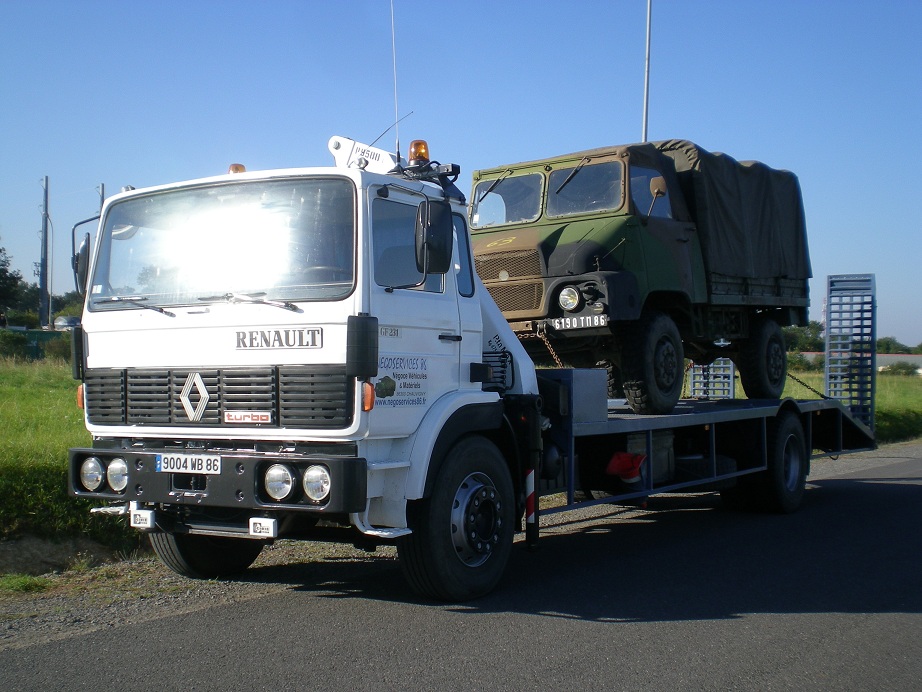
(569, 299)
(317, 483)
(117, 474)
(91, 473)
(279, 481)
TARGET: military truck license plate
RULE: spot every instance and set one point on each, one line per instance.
(580, 322)
(189, 463)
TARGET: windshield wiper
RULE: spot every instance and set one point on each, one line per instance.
(135, 300)
(493, 185)
(254, 298)
(572, 175)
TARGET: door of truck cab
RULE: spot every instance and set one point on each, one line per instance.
(419, 329)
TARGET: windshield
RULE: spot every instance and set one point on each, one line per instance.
(291, 239)
(584, 188)
(511, 199)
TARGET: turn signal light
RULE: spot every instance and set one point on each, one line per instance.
(368, 396)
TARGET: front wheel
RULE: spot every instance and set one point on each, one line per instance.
(462, 534)
(653, 365)
(205, 557)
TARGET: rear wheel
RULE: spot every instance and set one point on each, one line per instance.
(462, 534)
(763, 361)
(780, 488)
(653, 364)
(205, 557)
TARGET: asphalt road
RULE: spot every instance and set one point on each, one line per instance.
(689, 596)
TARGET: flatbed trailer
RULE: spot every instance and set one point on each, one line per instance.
(727, 445)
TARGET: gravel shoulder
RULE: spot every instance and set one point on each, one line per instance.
(140, 589)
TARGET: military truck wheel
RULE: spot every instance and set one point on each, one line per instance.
(653, 364)
(763, 362)
(462, 534)
(205, 557)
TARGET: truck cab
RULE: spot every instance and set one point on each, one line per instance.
(263, 351)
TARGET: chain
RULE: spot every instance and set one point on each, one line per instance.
(804, 384)
(550, 349)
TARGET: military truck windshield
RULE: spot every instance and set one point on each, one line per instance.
(280, 240)
(508, 199)
(583, 188)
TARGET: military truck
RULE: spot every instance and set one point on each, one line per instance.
(638, 257)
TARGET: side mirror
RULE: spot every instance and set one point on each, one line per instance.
(657, 189)
(80, 259)
(81, 265)
(433, 237)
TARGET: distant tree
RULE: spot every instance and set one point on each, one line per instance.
(917, 349)
(889, 344)
(808, 338)
(9, 281)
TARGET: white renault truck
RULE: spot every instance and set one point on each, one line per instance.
(308, 353)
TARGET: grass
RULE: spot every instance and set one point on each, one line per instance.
(41, 422)
(23, 583)
(897, 403)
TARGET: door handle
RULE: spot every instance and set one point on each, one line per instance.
(449, 337)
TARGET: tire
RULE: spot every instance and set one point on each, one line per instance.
(780, 488)
(205, 557)
(462, 534)
(763, 361)
(786, 478)
(653, 365)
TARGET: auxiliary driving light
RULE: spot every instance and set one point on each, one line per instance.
(317, 483)
(569, 299)
(91, 473)
(279, 481)
(117, 474)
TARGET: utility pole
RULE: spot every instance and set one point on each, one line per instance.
(44, 301)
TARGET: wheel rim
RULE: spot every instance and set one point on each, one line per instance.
(476, 519)
(791, 464)
(665, 365)
(774, 362)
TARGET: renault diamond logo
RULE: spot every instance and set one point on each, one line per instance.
(194, 380)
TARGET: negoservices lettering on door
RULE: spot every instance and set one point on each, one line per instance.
(282, 338)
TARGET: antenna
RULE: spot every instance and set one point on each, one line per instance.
(646, 73)
(397, 117)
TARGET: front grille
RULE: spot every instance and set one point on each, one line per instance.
(517, 297)
(514, 264)
(294, 396)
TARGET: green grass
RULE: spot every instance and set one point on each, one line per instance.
(23, 583)
(41, 422)
(897, 403)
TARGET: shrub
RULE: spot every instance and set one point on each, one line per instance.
(58, 348)
(13, 344)
(900, 367)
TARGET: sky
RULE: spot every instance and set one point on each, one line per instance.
(142, 93)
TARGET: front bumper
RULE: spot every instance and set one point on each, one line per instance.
(239, 485)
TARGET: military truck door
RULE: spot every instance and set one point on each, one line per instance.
(672, 256)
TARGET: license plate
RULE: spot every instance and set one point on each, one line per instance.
(579, 322)
(189, 463)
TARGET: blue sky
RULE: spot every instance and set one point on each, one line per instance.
(145, 93)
